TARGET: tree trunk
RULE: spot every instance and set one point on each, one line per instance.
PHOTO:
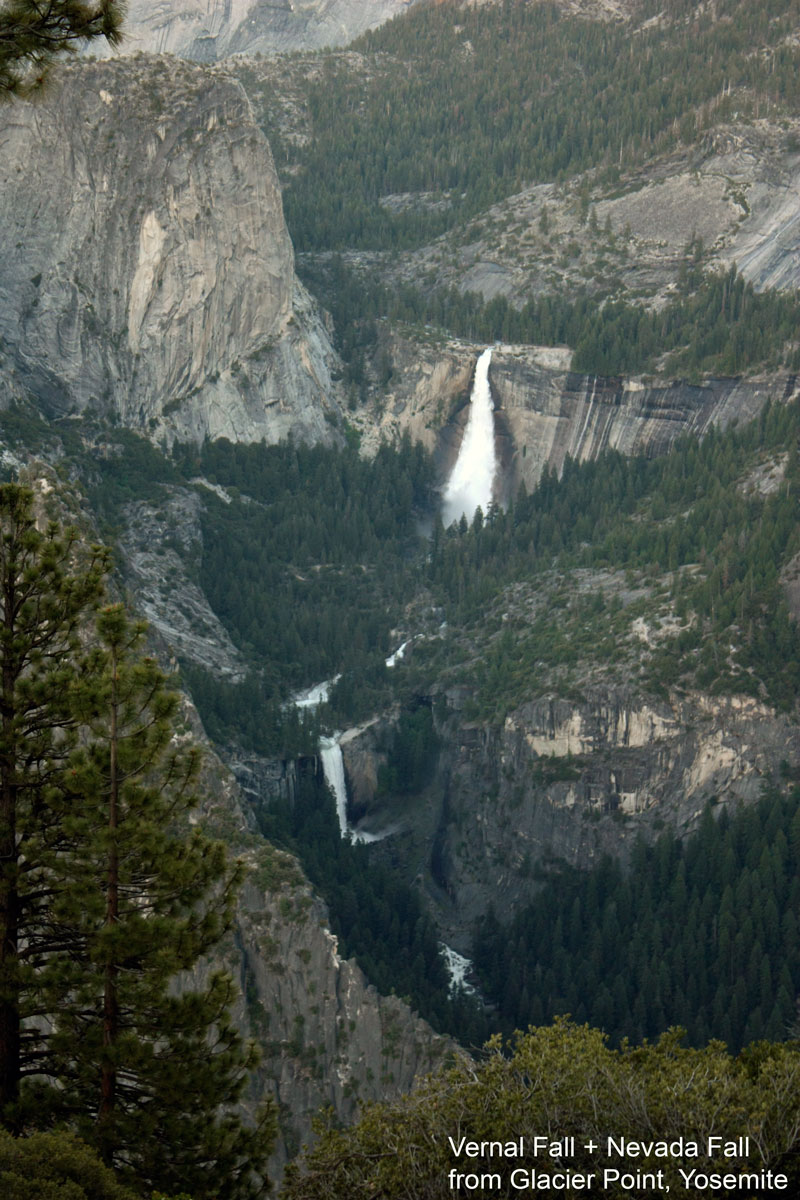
(108, 1083)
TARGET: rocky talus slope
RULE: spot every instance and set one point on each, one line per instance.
(148, 274)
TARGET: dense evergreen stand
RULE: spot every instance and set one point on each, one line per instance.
(144, 1067)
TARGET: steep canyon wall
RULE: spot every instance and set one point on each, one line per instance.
(207, 32)
(328, 1039)
(148, 274)
(544, 411)
(564, 781)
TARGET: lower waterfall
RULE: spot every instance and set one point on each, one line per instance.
(330, 752)
(457, 967)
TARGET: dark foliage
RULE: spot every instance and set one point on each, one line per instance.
(718, 324)
(689, 509)
(700, 933)
(469, 103)
(307, 568)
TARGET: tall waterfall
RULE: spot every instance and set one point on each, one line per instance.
(470, 483)
(333, 769)
(330, 752)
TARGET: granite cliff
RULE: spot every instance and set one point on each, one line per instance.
(328, 1039)
(562, 781)
(149, 280)
(544, 411)
(148, 275)
(208, 32)
(735, 189)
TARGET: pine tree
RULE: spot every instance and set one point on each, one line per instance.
(150, 1065)
(55, 1166)
(47, 586)
(33, 35)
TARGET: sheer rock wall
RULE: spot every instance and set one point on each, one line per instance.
(196, 29)
(565, 780)
(148, 273)
(545, 411)
(328, 1039)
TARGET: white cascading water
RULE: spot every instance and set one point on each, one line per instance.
(399, 653)
(457, 967)
(472, 478)
(333, 769)
(316, 695)
(330, 752)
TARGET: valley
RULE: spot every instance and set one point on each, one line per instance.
(399, 347)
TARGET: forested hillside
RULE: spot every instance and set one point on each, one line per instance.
(717, 323)
(310, 534)
(666, 576)
(107, 896)
(484, 138)
(700, 933)
(692, 527)
(471, 102)
(553, 593)
(566, 724)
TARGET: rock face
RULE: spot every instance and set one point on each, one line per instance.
(330, 1038)
(148, 273)
(549, 413)
(735, 189)
(206, 32)
(566, 781)
(160, 549)
(544, 411)
(430, 386)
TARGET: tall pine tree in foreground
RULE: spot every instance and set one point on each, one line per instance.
(33, 35)
(48, 585)
(150, 1065)
(112, 902)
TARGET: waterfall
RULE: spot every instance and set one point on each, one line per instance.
(457, 967)
(470, 483)
(330, 752)
(333, 769)
(399, 653)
